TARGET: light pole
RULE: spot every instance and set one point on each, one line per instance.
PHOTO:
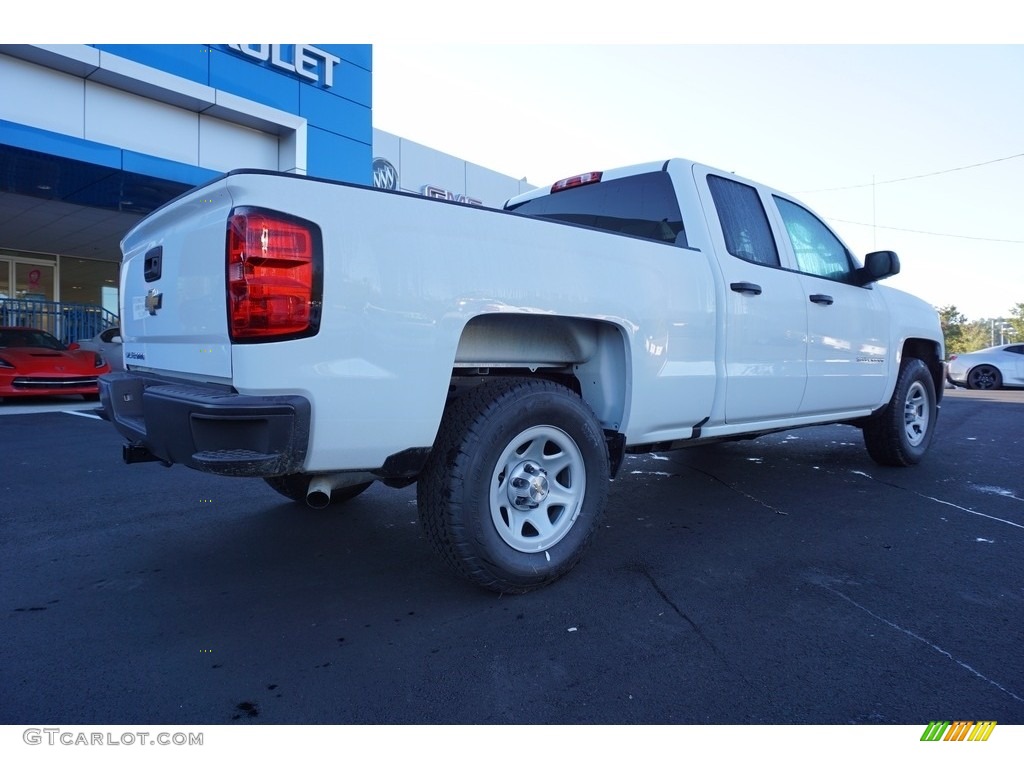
(1005, 330)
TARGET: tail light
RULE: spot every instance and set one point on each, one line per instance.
(576, 181)
(274, 276)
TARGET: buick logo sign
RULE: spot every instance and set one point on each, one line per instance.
(384, 174)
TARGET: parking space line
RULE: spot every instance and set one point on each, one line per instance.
(86, 414)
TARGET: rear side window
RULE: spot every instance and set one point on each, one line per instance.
(642, 206)
(745, 227)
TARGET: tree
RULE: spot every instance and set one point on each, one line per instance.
(953, 321)
(962, 335)
(977, 334)
(1017, 321)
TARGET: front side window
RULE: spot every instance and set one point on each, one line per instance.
(745, 227)
(818, 251)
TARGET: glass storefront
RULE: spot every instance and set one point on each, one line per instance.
(88, 281)
(65, 296)
(27, 276)
(39, 277)
(33, 281)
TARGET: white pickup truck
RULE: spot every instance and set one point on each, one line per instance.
(324, 336)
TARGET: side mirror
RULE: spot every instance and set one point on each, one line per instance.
(115, 339)
(878, 265)
(73, 346)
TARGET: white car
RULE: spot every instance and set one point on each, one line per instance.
(108, 344)
(991, 368)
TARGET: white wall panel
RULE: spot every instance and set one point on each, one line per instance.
(387, 145)
(422, 165)
(419, 165)
(41, 97)
(493, 189)
(122, 119)
(224, 146)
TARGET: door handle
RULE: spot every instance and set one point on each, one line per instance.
(153, 263)
(747, 289)
(821, 298)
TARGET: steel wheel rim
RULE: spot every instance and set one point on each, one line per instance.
(916, 414)
(537, 488)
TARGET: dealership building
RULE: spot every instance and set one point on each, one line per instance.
(93, 137)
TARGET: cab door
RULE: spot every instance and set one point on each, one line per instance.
(765, 318)
(848, 345)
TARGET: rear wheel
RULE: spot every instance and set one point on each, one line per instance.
(296, 485)
(984, 377)
(900, 435)
(517, 481)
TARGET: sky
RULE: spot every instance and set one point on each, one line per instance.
(916, 148)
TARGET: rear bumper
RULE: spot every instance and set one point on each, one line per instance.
(205, 426)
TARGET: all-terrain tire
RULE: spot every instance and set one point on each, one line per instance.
(900, 435)
(513, 490)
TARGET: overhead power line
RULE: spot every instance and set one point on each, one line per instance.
(923, 232)
(919, 176)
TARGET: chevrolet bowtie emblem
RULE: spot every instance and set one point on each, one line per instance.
(154, 301)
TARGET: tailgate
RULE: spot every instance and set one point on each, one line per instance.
(173, 276)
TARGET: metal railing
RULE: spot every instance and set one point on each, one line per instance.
(68, 321)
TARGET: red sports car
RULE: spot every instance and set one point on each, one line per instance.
(33, 363)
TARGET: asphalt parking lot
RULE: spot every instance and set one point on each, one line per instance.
(783, 580)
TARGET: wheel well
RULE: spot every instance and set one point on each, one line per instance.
(588, 356)
(929, 352)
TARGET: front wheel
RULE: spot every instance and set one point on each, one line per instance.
(517, 481)
(984, 377)
(899, 436)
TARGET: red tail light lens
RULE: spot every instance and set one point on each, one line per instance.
(274, 280)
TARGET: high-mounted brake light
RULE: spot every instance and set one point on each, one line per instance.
(576, 181)
(274, 265)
